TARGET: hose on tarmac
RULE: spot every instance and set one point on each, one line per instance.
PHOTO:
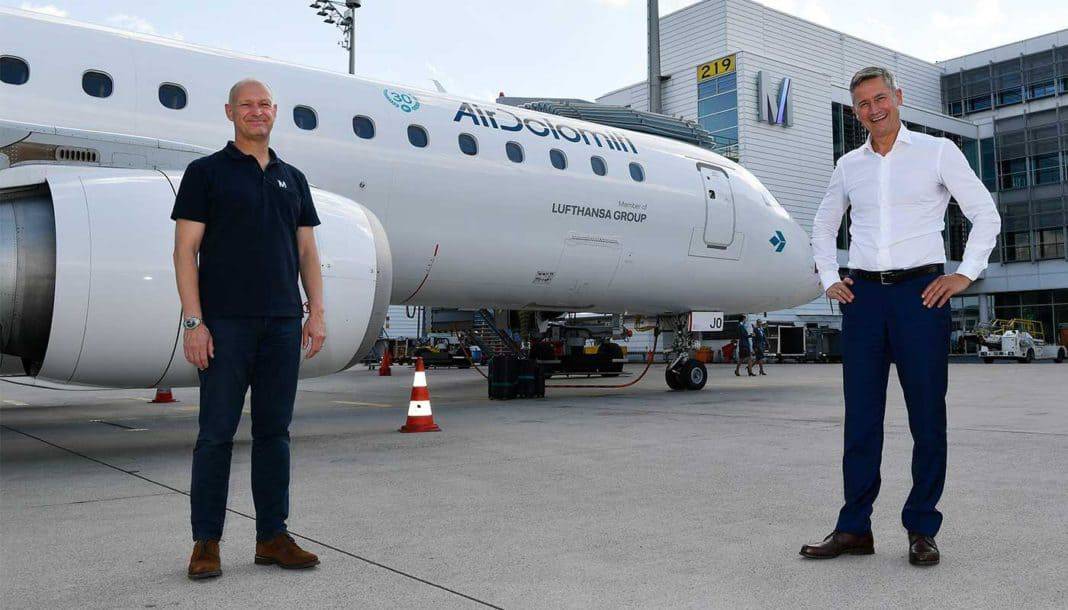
(648, 365)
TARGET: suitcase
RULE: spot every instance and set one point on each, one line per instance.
(503, 377)
(530, 381)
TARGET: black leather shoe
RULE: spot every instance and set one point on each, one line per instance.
(840, 543)
(922, 550)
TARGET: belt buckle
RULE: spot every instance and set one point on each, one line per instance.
(883, 278)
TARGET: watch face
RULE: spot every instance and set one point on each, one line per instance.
(191, 323)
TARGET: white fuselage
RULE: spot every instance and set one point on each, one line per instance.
(464, 230)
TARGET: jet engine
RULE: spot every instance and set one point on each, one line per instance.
(87, 287)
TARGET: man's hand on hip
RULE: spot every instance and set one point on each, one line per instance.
(938, 292)
(198, 346)
(840, 291)
(314, 333)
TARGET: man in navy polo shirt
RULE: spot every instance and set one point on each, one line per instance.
(244, 232)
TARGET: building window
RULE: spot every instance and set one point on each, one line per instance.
(418, 136)
(986, 164)
(172, 96)
(558, 158)
(956, 233)
(717, 108)
(97, 84)
(468, 145)
(514, 152)
(1046, 169)
(363, 127)
(842, 239)
(598, 166)
(13, 70)
(636, 172)
(848, 132)
(1016, 232)
(305, 117)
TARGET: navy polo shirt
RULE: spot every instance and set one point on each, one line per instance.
(249, 263)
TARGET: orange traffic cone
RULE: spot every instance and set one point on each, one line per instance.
(164, 395)
(387, 359)
(420, 419)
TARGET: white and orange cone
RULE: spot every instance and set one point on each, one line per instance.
(164, 395)
(420, 418)
(387, 360)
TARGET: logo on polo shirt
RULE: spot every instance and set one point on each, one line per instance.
(282, 183)
(405, 101)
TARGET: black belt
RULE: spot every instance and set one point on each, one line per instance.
(893, 276)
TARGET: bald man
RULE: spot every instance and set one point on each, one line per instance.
(244, 231)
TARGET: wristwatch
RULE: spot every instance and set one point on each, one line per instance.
(191, 322)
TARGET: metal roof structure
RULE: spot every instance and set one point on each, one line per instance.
(622, 117)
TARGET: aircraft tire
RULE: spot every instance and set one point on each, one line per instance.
(673, 380)
(694, 374)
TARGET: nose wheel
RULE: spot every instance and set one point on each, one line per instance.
(686, 374)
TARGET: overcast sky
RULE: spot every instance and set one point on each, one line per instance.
(558, 48)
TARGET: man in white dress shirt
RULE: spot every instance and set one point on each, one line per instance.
(895, 304)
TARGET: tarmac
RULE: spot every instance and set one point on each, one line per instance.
(640, 498)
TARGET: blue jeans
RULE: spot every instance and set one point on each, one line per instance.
(887, 324)
(263, 353)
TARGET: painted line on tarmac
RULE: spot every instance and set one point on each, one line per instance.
(123, 426)
(362, 404)
(133, 473)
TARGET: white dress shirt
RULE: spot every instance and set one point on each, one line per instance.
(899, 205)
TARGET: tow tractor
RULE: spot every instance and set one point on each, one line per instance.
(1018, 339)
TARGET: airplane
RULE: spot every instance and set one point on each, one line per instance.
(427, 199)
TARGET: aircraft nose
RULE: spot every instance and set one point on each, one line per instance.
(805, 281)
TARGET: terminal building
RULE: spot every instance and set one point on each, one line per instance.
(773, 90)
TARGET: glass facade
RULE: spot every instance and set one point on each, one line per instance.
(850, 134)
(1030, 154)
(1018, 80)
(1050, 307)
(965, 318)
(717, 108)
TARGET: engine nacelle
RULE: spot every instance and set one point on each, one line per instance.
(87, 287)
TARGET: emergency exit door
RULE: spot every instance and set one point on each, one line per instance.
(719, 207)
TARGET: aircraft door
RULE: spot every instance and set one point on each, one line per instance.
(719, 207)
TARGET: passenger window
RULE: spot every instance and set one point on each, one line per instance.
(13, 70)
(97, 84)
(558, 158)
(468, 145)
(637, 172)
(418, 136)
(305, 117)
(514, 152)
(172, 96)
(598, 166)
(363, 126)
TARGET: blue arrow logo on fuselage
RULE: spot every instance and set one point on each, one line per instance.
(778, 241)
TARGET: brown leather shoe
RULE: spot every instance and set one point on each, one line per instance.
(840, 543)
(205, 560)
(284, 552)
(922, 550)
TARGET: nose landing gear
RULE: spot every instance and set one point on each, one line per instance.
(684, 372)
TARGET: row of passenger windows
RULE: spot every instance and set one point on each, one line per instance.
(514, 151)
(15, 71)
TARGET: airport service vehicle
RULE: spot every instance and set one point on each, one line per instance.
(414, 188)
(1021, 340)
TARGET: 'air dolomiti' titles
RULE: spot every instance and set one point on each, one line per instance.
(542, 126)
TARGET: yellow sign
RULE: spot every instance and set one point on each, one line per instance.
(718, 67)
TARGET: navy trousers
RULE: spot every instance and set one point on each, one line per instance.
(884, 324)
(264, 354)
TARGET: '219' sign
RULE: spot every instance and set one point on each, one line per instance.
(717, 67)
